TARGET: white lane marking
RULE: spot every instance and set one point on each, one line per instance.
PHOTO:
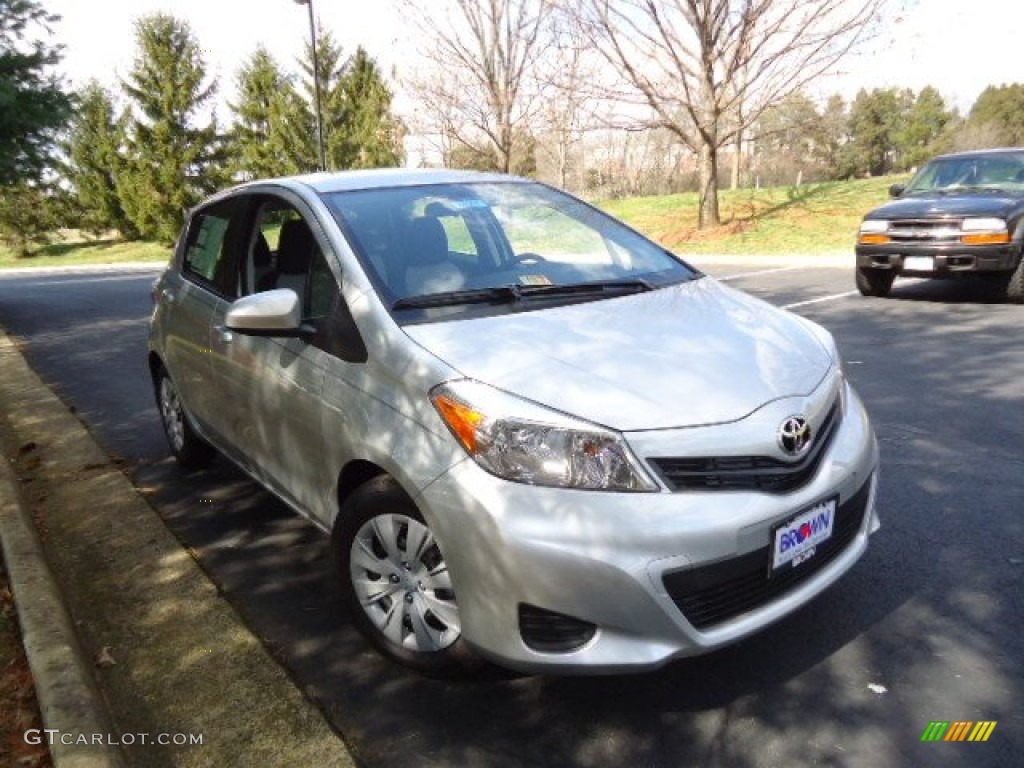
(727, 278)
(820, 299)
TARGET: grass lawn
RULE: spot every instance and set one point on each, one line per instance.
(813, 218)
(73, 250)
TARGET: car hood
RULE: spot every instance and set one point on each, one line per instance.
(693, 354)
(949, 205)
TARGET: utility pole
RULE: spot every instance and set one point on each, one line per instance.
(316, 86)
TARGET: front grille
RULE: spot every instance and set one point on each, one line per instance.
(715, 593)
(551, 632)
(925, 231)
(757, 473)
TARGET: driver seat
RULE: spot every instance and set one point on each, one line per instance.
(428, 267)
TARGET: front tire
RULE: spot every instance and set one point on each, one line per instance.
(189, 449)
(874, 282)
(395, 582)
(1015, 284)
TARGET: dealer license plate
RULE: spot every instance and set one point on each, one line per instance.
(918, 263)
(797, 540)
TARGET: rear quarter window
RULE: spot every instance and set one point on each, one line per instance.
(207, 256)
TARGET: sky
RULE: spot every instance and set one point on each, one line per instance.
(959, 47)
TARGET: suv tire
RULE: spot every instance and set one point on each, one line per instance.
(874, 282)
(1015, 283)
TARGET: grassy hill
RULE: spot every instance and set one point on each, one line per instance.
(71, 249)
(812, 218)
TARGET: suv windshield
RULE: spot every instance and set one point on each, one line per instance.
(438, 250)
(1002, 172)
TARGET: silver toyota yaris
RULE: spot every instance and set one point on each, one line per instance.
(534, 436)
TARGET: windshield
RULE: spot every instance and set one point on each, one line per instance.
(455, 243)
(1003, 172)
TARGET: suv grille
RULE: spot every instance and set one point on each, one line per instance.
(715, 593)
(925, 230)
(759, 473)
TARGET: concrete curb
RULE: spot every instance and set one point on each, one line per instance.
(179, 660)
(68, 698)
(85, 269)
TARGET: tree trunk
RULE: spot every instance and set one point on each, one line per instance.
(737, 161)
(707, 175)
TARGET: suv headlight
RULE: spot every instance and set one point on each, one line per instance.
(874, 231)
(522, 441)
(984, 231)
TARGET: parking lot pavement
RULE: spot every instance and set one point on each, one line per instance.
(927, 627)
(149, 637)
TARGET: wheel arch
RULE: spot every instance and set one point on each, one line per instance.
(354, 474)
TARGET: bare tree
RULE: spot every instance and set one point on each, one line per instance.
(480, 88)
(567, 109)
(707, 69)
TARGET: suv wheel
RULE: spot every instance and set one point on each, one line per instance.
(874, 282)
(190, 450)
(1015, 284)
(395, 583)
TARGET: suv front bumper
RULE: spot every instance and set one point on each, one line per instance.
(946, 260)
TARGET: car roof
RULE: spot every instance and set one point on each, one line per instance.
(325, 182)
(981, 152)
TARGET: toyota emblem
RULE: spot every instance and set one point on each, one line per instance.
(795, 435)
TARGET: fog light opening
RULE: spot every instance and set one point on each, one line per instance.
(551, 632)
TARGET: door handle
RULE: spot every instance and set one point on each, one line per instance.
(225, 334)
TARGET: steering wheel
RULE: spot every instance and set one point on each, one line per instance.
(527, 258)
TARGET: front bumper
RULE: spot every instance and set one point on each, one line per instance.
(603, 557)
(948, 260)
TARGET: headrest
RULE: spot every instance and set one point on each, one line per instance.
(427, 242)
(294, 248)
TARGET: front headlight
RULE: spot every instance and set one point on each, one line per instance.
(521, 441)
(984, 231)
(874, 231)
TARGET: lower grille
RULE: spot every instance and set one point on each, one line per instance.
(715, 593)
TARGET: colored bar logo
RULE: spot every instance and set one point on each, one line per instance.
(958, 730)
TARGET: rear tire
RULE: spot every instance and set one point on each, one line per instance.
(189, 449)
(874, 282)
(395, 584)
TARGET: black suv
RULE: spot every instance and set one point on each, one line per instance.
(961, 214)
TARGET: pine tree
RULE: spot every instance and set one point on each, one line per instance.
(33, 105)
(1000, 109)
(171, 163)
(332, 101)
(30, 214)
(372, 135)
(259, 145)
(94, 162)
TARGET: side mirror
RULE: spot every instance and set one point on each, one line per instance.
(270, 313)
(897, 189)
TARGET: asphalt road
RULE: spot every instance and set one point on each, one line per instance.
(928, 626)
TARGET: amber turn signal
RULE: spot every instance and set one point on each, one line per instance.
(986, 238)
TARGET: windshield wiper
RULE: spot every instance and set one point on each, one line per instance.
(601, 287)
(454, 298)
(511, 293)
